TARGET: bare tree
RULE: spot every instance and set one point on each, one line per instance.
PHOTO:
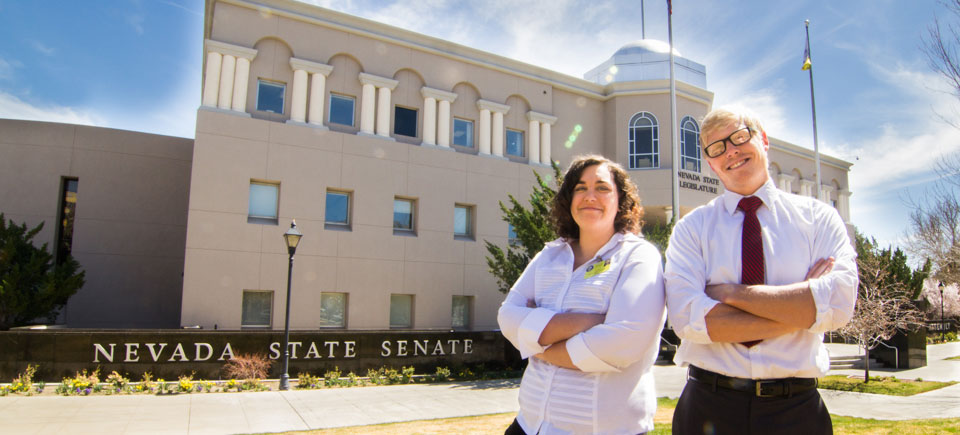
(940, 44)
(883, 305)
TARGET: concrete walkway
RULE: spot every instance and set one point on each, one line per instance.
(313, 409)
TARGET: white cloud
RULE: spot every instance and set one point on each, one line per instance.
(7, 68)
(43, 49)
(14, 108)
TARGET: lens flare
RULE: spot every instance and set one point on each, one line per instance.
(573, 136)
(613, 69)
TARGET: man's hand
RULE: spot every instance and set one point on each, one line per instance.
(822, 267)
(727, 293)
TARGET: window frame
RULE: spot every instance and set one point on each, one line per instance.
(413, 301)
(633, 129)
(353, 111)
(345, 307)
(283, 94)
(469, 235)
(258, 219)
(332, 225)
(687, 152)
(469, 313)
(269, 324)
(472, 136)
(506, 143)
(396, 124)
(412, 231)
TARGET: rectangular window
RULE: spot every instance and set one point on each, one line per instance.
(463, 132)
(403, 215)
(337, 213)
(270, 96)
(462, 221)
(333, 310)
(461, 309)
(264, 198)
(68, 210)
(512, 239)
(257, 309)
(341, 109)
(515, 143)
(405, 121)
(401, 311)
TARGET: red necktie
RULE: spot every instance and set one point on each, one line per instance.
(752, 266)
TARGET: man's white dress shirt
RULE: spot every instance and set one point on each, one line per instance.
(797, 231)
(613, 391)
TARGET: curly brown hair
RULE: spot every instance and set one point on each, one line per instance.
(629, 211)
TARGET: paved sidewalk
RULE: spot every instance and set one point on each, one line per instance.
(313, 409)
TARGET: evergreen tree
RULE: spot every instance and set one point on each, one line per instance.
(31, 285)
(533, 230)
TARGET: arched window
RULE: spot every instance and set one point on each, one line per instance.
(689, 145)
(644, 149)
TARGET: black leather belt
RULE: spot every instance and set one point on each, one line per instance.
(760, 387)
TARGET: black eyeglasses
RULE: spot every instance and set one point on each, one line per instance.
(737, 138)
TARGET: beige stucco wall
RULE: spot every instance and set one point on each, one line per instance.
(130, 223)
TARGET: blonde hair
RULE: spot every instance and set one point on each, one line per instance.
(719, 118)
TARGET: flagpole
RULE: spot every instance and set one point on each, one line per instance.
(673, 121)
(643, 23)
(813, 105)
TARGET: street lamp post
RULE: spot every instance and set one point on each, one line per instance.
(941, 312)
(292, 237)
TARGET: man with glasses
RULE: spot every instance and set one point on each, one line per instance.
(753, 279)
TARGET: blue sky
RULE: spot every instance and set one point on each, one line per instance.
(136, 64)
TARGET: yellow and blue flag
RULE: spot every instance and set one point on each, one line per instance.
(806, 57)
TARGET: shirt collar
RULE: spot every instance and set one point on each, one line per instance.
(615, 240)
(767, 193)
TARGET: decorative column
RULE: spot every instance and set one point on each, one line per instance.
(533, 139)
(545, 142)
(298, 97)
(497, 134)
(785, 182)
(371, 86)
(227, 75)
(539, 142)
(211, 83)
(367, 97)
(484, 133)
(485, 128)
(240, 84)
(228, 70)
(318, 73)
(436, 124)
(429, 120)
(843, 205)
(383, 111)
(807, 188)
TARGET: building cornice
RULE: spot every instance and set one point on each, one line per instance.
(541, 117)
(437, 94)
(405, 38)
(493, 107)
(310, 67)
(380, 82)
(229, 49)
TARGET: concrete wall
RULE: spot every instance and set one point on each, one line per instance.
(131, 218)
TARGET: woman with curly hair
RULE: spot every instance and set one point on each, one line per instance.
(588, 311)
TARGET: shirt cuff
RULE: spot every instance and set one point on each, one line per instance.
(821, 292)
(528, 334)
(696, 330)
(584, 359)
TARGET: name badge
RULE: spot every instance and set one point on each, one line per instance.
(597, 268)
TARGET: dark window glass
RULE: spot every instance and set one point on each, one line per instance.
(270, 96)
(405, 121)
(338, 208)
(341, 109)
(68, 210)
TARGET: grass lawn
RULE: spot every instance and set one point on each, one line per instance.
(881, 385)
(497, 423)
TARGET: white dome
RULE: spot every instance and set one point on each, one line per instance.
(646, 46)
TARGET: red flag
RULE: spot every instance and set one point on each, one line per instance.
(669, 8)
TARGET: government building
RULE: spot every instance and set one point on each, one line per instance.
(391, 149)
